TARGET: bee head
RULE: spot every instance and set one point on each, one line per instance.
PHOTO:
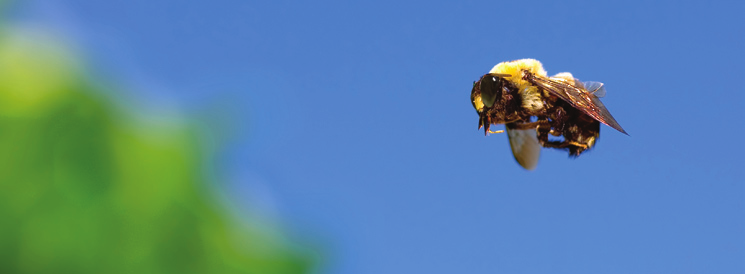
(486, 91)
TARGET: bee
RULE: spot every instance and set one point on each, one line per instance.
(534, 106)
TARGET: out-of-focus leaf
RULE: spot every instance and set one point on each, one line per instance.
(86, 188)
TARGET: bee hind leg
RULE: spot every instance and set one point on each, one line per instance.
(529, 125)
(544, 131)
(562, 144)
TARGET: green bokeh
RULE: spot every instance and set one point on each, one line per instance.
(87, 188)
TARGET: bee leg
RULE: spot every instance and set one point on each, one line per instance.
(584, 146)
(556, 144)
(530, 125)
(487, 130)
(545, 129)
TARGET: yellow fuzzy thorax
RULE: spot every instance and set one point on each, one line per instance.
(515, 68)
(530, 93)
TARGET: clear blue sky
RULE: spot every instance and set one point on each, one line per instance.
(357, 128)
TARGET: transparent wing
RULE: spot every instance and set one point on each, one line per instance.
(525, 146)
(577, 97)
(596, 88)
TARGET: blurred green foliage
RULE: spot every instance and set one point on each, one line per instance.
(87, 188)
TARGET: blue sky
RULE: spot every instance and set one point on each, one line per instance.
(355, 127)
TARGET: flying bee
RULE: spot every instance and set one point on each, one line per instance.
(533, 106)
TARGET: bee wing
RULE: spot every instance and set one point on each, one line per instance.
(596, 88)
(579, 98)
(525, 146)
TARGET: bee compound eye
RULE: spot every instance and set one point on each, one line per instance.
(489, 90)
